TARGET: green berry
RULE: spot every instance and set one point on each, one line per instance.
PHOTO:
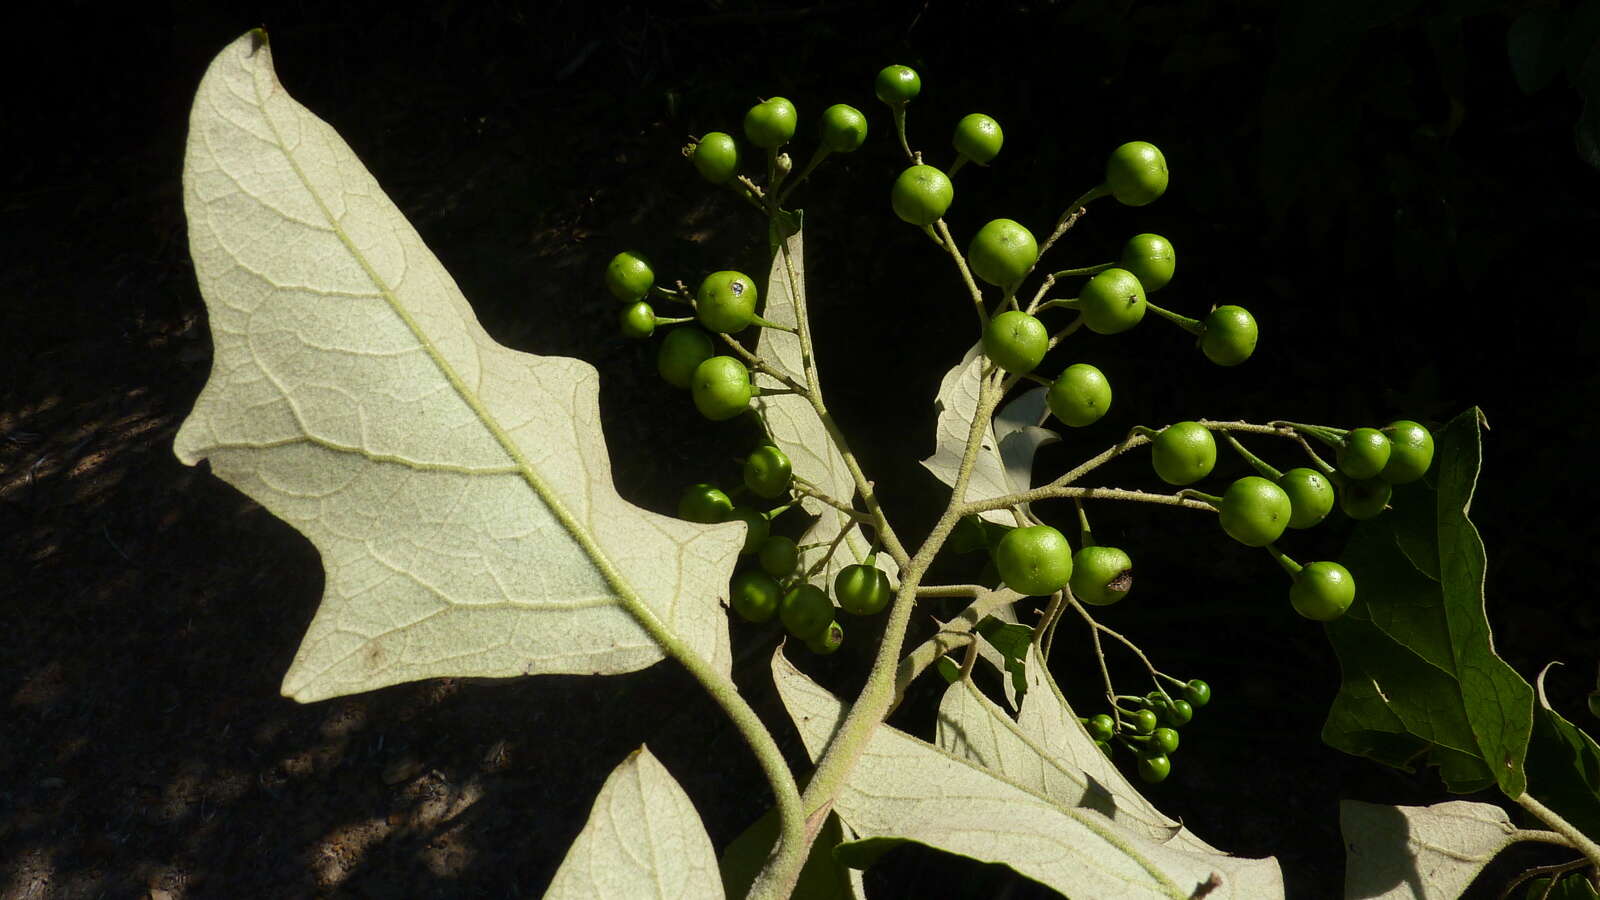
(1229, 335)
(726, 301)
(828, 640)
(1101, 575)
(1002, 252)
(1310, 493)
(756, 527)
(1151, 259)
(1163, 740)
(1410, 454)
(921, 195)
(897, 84)
(770, 123)
(704, 503)
(1364, 453)
(1365, 499)
(1183, 453)
(1015, 341)
(637, 321)
(1197, 692)
(721, 388)
(1254, 511)
(629, 276)
(1177, 713)
(1322, 591)
(754, 596)
(681, 353)
(1112, 302)
(716, 157)
(778, 556)
(1034, 561)
(1105, 747)
(1101, 727)
(1143, 722)
(1080, 395)
(1136, 173)
(844, 128)
(1154, 769)
(805, 611)
(978, 138)
(768, 472)
(862, 590)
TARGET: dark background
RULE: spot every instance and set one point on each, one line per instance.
(1413, 229)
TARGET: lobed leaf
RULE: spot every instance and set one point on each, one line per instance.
(643, 839)
(1421, 680)
(459, 492)
(1423, 852)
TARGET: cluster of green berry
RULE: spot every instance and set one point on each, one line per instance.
(1149, 729)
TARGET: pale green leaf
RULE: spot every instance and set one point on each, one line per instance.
(904, 788)
(459, 492)
(643, 839)
(1424, 852)
(1004, 464)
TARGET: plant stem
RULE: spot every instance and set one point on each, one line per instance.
(949, 243)
(1257, 462)
(1192, 326)
(1574, 838)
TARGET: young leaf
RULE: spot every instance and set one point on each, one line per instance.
(906, 789)
(458, 491)
(643, 839)
(1005, 458)
(1421, 680)
(1424, 852)
(1564, 766)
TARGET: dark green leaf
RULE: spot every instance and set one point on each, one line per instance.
(1421, 680)
(1564, 767)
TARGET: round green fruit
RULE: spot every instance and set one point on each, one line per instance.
(1101, 575)
(1322, 591)
(768, 472)
(1154, 769)
(805, 611)
(978, 138)
(1311, 496)
(897, 84)
(637, 321)
(681, 353)
(1163, 740)
(756, 527)
(1101, 727)
(1177, 713)
(1197, 692)
(1229, 335)
(1080, 395)
(704, 503)
(721, 388)
(1002, 252)
(1364, 453)
(754, 596)
(629, 276)
(778, 556)
(1035, 561)
(1143, 722)
(1136, 173)
(1015, 341)
(726, 301)
(1151, 259)
(716, 157)
(1365, 499)
(844, 128)
(1410, 453)
(828, 640)
(921, 195)
(862, 590)
(1183, 453)
(1254, 511)
(1112, 302)
(770, 123)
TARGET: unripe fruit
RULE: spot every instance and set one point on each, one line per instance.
(1183, 453)
(1254, 511)
(721, 388)
(1322, 591)
(1080, 395)
(726, 301)
(844, 128)
(681, 353)
(756, 527)
(1311, 496)
(637, 321)
(704, 503)
(768, 472)
(770, 123)
(921, 195)
(1154, 769)
(778, 556)
(1197, 692)
(978, 138)
(1035, 561)
(1101, 727)
(1410, 454)
(1101, 575)
(1364, 453)
(828, 641)
(897, 84)
(716, 157)
(1151, 259)
(754, 596)
(1015, 341)
(1136, 173)
(862, 590)
(1112, 302)
(629, 276)
(1229, 335)
(805, 611)
(1365, 499)
(1002, 252)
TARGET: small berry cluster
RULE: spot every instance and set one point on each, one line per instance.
(1148, 726)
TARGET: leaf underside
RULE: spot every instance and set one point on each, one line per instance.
(1422, 852)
